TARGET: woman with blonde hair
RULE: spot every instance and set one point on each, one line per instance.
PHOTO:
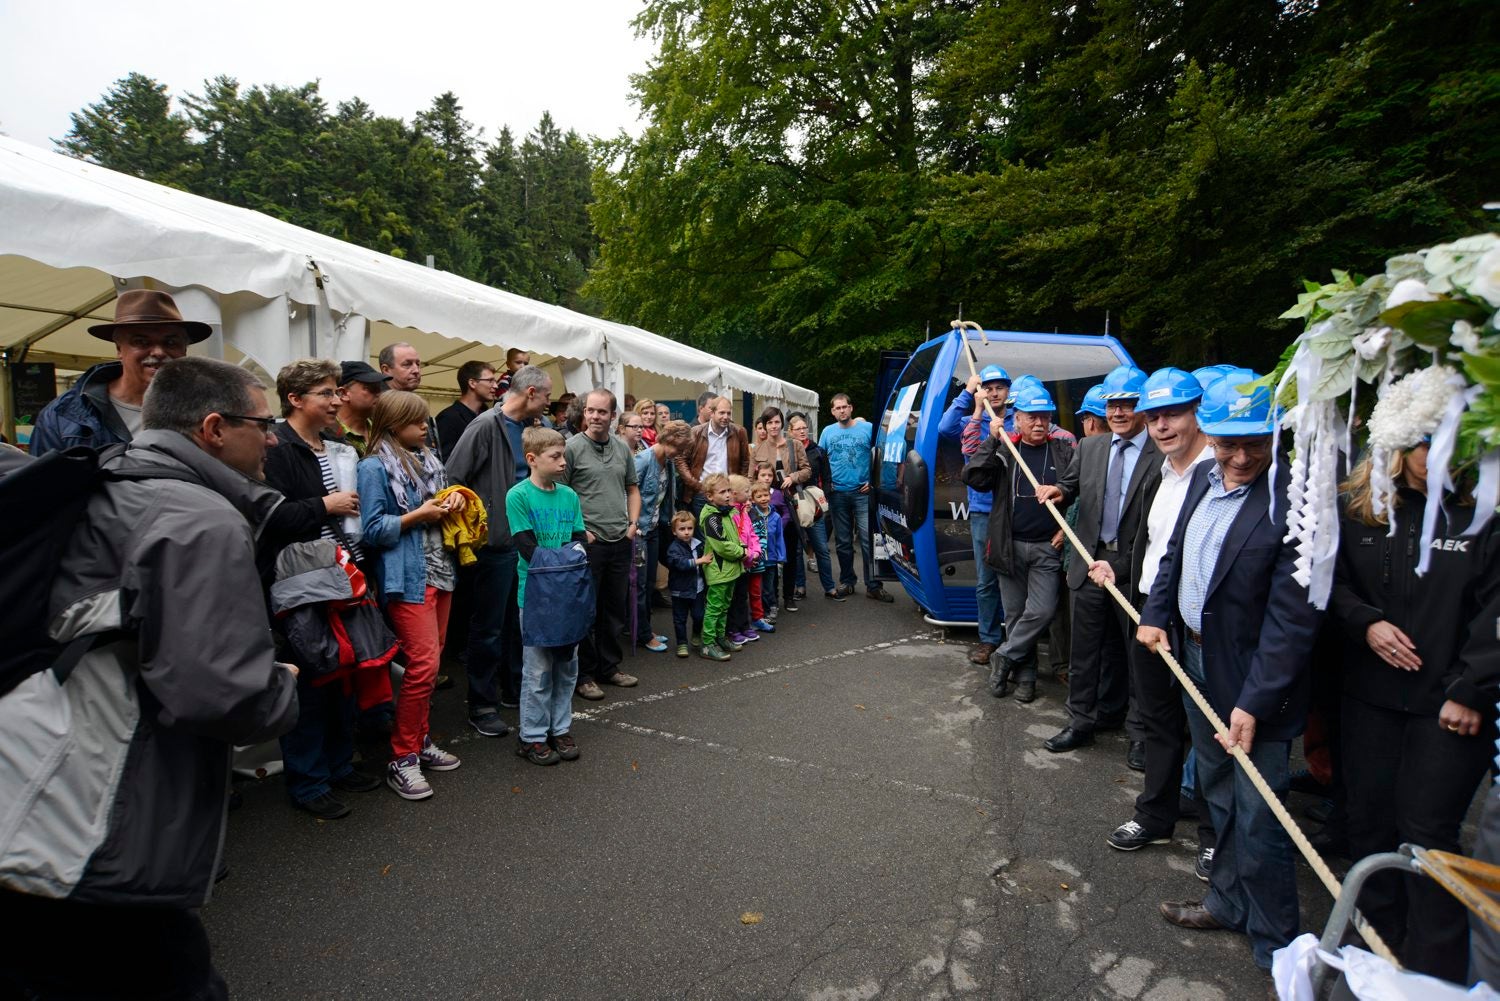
(1421, 678)
(647, 410)
(398, 480)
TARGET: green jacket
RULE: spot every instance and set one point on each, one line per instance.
(722, 540)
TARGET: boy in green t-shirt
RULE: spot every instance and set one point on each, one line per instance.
(544, 514)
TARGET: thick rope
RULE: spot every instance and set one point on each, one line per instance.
(1325, 874)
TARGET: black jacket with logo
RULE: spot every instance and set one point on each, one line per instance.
(1452, 613)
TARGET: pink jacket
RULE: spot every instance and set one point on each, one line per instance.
(747, 532)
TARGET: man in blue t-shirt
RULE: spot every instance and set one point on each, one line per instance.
(848, 445)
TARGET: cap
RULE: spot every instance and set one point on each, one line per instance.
(359, 371)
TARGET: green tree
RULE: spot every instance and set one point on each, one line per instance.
(134, 130)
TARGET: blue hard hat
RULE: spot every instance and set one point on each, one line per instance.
(1124, 383)
(1208, 374)
(993, 373)
(1093, 401)
(1032, 397)
(1022, 382)
(1226, 411)
(1169, 387)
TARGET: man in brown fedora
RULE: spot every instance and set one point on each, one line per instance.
(104, 406)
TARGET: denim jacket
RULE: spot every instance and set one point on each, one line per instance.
(400, 566)
(647, 468)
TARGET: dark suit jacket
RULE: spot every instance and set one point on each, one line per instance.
(1258, 627)
(1084, 481)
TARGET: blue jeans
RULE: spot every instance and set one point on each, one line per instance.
(817, 534)
(548, 677)
(987, 587)
(1253, 889)
(320, 748)
(850, 511)
(494, 666)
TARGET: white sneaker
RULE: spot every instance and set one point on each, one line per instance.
(435, 759)
(404, 775)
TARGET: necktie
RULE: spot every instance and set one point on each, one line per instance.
(1114, 479)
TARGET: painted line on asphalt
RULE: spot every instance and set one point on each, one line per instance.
(841, 774)
(595, 712)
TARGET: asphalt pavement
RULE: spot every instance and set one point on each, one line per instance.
(840, 813)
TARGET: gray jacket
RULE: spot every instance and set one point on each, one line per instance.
(114, 785)
(483, 461)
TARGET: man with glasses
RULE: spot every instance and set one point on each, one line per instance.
(1109, 476)
(1226, 604)
(104, 406)
(159, 579)
(489, 460)
(477, 386)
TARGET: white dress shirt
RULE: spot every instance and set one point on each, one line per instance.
(1162, 518)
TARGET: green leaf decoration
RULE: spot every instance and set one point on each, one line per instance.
(1431, 323)
(1483, 368)
(1337, 378)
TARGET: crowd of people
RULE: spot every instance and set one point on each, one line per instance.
(379, 537)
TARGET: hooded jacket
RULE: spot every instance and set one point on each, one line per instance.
(114, 785)
(722, 539)
(82, 416)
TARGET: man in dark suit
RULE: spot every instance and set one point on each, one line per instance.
(1225, 600)
(1110, 477)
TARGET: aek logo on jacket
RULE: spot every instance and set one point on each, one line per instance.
(1450, 545)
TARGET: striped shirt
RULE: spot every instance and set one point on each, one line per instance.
(331, 486)
(1202, 542)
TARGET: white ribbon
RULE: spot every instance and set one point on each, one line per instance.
(1439, 479)
(1486, 492)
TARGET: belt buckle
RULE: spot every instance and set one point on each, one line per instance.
(1111, 547)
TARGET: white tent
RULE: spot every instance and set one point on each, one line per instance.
(73, 234)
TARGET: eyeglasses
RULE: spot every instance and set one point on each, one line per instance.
(326, 394)
(267, 424)
(634, 427)
(1252, 449)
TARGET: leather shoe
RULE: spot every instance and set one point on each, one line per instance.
(1189, 914)
(981, 653)
(1026, 692)
(1135, 758)
(1067, 740)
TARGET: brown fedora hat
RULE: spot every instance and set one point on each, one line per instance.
(147, 308)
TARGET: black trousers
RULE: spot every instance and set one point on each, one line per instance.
(600, 652)
(1158, 701)
(117, 952)
(1409, 780)
(1099, 674)
(791, 533)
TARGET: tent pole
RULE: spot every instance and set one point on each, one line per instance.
(7, 399)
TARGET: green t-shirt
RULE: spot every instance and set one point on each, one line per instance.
(552, 515)
(602, 475)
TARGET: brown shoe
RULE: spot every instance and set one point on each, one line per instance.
(981, 653)
(622, 680)
(589, 690)
(1190, 914)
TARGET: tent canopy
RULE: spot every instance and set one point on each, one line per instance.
(73, 234)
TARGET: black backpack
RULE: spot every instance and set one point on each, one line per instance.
(41, 504)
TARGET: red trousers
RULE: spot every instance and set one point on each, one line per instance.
(757, 607)
(422, 630)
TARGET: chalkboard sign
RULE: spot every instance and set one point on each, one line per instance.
(34, 385)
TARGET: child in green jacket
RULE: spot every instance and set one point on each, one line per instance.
(722, 540)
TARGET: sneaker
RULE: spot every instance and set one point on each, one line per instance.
(1129, 836)
(357, 781)
(844, 590)
(404, 775)
(325, 807)
(442, 683)
(589, 690)
(1204, 867)
(435, 759)
(565, 746)
(878, 594)
(712, 652)
(509, 702)
(656, 644)
(622, 680)
(792, 607)
(537, 753)
(762, 625)
(799, 594)
(489, 724)
(728, 645)
(747, 637)
(682, 649)
(770, 615)
(833, 595)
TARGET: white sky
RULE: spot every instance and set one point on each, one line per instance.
(508, 61)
